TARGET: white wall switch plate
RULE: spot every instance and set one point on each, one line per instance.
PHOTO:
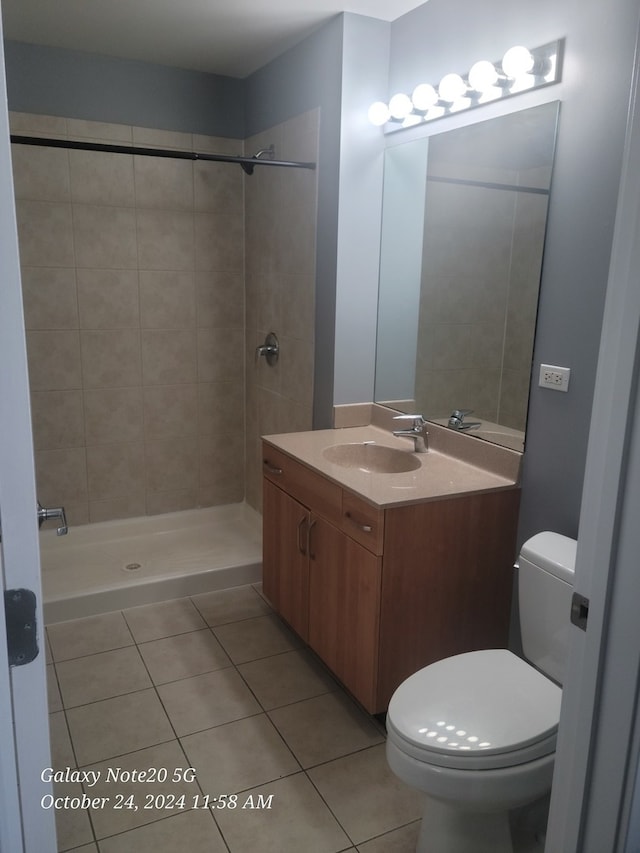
(556, 378)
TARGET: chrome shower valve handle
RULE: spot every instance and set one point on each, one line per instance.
(270, 349)
(47, 513)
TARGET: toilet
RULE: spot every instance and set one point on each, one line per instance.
(477, 732)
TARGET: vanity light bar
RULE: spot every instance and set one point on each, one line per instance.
(520, 70)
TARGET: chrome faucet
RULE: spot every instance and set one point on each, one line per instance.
(457, 420)
(417, 431)
(47, 513)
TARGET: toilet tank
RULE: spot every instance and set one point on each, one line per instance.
(545, 586)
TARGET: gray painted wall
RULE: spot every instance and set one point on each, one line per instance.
(442, 36)
(72, 83)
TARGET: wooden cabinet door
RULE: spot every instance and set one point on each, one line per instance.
(344, 606)
(285, 563)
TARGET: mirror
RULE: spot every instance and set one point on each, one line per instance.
(463, 226)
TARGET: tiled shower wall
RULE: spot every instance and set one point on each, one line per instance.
(280, 207)
(134, 295)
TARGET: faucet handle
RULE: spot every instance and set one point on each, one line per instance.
(457, 417)
(418, 420)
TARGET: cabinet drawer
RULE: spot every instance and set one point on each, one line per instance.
(311, 489)
(363, 522)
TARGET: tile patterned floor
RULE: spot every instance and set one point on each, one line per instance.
(218, 683)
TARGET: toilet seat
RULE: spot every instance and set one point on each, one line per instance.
(479, 710)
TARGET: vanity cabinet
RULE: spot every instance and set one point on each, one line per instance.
(378, 593)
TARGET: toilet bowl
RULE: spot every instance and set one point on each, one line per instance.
(476, 733)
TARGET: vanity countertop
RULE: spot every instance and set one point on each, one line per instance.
(440, 474)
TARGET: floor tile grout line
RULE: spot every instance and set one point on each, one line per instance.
(264, 712)
(319, 792)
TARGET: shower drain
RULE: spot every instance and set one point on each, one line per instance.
(132, 567)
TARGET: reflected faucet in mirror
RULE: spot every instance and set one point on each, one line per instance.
(457, 420)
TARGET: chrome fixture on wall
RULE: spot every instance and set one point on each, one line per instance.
(270, 349)
(520, 70)
(47, 513)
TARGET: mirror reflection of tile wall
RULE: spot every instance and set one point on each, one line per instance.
(482, 254)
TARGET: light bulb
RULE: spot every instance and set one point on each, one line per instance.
(517, 61)
(400, 106)
(379, 113)
(452, 87)
(424, 96)
(483, 75)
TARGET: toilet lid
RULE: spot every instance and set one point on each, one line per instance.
(477, 705)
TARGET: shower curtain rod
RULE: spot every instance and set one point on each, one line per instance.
(247, 163)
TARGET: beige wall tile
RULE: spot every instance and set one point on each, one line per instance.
(217, 145)
(61, 476)
(152, 138)
(105, 237)
(40, 173)
(50, 298)
(170, 411)
(108, 299)
(45, 233)
(77, 512)
(165, 240)
(298, 307)
(171, 465)
(161, 502)
(54, 360)
(220, 299)
(220, 355)
(111, 358)
(168, 356)
(297, 370)
(58, 419)
(113, 415)
(166, 184)
(130, 506)
(167, 299)
(115, 470)
(100, 177)
(99, 131)
(221, 458)
(219, 242)
(218, 188)
(30, 124)
(220, 407)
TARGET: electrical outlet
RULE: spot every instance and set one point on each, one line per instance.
(556, 378)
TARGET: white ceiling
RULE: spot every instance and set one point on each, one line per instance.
(230, 37)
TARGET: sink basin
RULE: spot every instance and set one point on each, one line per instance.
(372, 458)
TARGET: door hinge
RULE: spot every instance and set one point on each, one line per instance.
(20, 616)
(579, 610)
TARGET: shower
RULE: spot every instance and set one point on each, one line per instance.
(145, 285)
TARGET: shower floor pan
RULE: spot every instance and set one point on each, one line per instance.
(97, 568)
